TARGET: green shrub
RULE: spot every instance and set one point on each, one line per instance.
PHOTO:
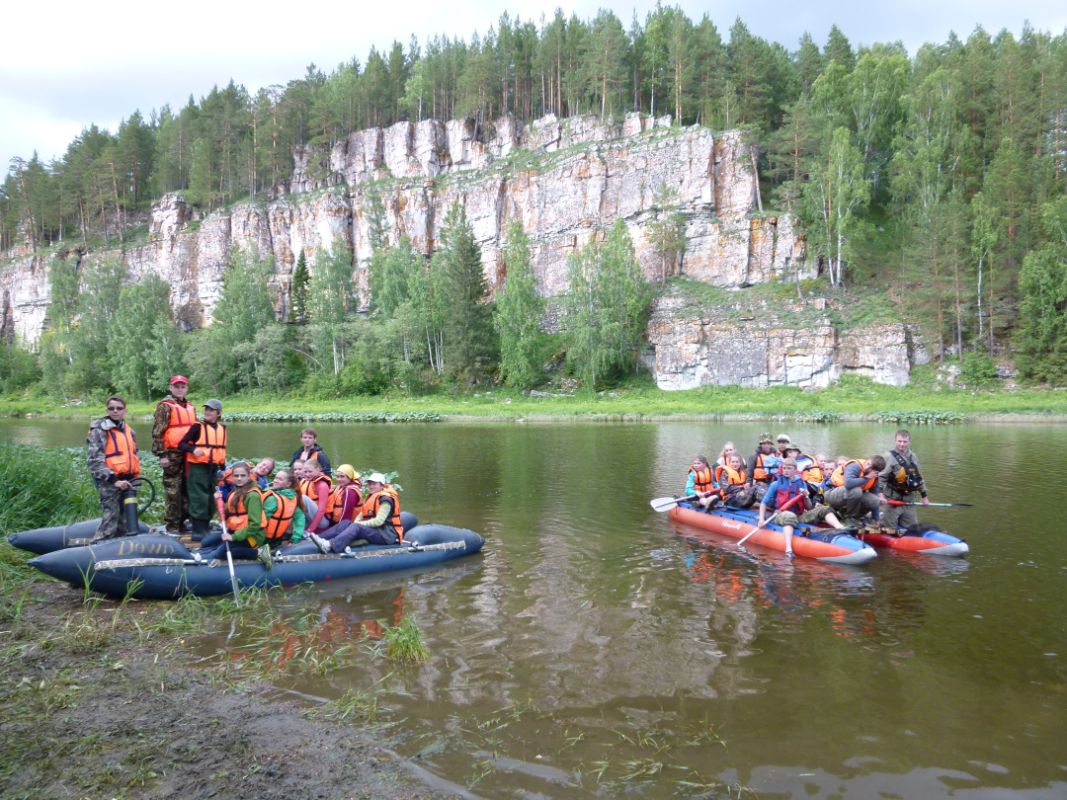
(978, 371)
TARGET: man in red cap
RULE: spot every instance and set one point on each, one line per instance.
(174, 416)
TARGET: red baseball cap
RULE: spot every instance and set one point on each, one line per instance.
(179, 379)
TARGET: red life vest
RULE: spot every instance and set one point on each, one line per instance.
(702, 479)
(277, 525)
(213, 440)
(120, 452)
(370, 510)
(783, 496)
(182, 416)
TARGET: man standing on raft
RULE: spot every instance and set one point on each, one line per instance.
(898, 482)
(173, 418)
(113, 463)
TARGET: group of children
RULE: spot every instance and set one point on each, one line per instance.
(800, 488)
(336, 511)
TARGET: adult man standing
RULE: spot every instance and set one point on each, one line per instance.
(113, 463)
(205, 456)
(899, 481)
(173, 418)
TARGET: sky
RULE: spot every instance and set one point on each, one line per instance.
(65, 66)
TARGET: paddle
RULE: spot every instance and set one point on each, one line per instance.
(929, 505)
(667, 503)
(229, 557)
(769, 519)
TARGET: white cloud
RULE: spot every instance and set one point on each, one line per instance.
(64, 66)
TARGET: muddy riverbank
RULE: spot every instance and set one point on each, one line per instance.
(101, 700)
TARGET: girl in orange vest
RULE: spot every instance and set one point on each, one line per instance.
(317, 489)
(378, 521)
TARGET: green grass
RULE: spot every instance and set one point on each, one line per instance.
(404, 643)
(851, 398)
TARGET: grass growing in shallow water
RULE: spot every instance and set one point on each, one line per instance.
(404, 643)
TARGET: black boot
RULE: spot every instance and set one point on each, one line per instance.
(200, 529)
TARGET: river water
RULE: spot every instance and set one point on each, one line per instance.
(596, 649)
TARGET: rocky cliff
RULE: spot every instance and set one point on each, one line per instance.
(566, 181)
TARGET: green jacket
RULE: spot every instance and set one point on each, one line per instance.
(258, 508)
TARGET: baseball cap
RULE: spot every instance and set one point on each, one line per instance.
(784, 437)
(179, 379)
(377, 477)
(214, 405)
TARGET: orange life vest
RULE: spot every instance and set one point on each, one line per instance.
(370, 510)
(277, 525)
(236, 512)
(728, 476)
(182, 417)
(812, 473)
(120, 452)
(837, 478)
(765, 466)
(213, 440)
(336, 502)
(311, 489)
(702, 479)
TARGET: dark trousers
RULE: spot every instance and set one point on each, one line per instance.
(214, 547)
(200, 490)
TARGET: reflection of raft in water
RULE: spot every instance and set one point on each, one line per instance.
(158, 567)
(824, 545)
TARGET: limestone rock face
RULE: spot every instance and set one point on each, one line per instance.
(566, 181)
(765, 350)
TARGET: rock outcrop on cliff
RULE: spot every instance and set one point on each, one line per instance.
(566, 181)
(790, 344)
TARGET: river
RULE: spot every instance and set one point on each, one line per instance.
(595, 648)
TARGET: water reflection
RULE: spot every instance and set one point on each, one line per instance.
(596, 650)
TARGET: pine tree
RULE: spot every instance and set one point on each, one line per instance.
(298, 292)
(468, 341)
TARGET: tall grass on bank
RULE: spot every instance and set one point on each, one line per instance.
(41, 487)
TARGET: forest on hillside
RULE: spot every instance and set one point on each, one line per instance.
(938, 176)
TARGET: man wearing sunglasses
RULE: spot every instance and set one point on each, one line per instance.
(113, 463)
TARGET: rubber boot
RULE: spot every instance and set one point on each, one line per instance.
(200, 529)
